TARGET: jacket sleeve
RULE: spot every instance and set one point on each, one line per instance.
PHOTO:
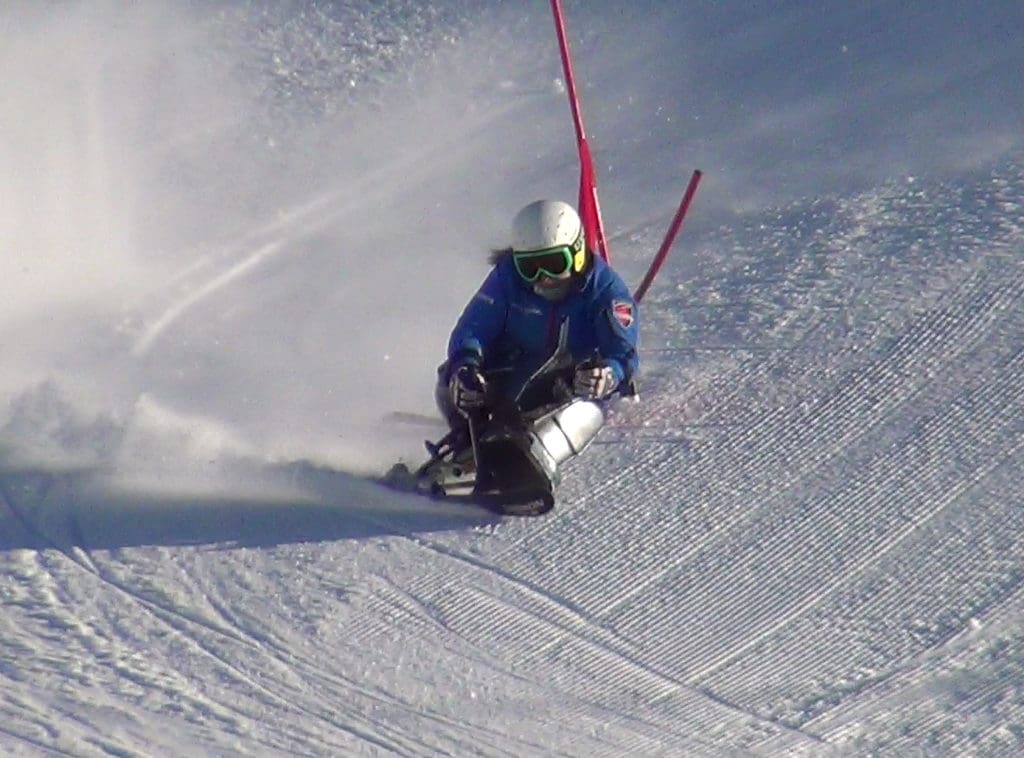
(618, 331)
(481, 323)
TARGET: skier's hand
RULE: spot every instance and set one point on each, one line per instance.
(594, 381)
(468, 389)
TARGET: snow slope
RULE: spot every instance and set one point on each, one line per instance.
(234, 238)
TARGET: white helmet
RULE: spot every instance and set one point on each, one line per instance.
(545, 224)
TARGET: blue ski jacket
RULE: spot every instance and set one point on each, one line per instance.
(509, 330)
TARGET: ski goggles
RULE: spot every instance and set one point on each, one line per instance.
(553, 262)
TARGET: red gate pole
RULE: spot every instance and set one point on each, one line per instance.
(670, 236)
(589, 206)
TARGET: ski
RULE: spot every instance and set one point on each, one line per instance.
(522, 501)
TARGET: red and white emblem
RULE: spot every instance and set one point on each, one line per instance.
(623, 312)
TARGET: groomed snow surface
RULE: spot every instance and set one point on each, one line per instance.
(233, 237)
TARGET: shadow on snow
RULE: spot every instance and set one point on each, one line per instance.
(64, 509)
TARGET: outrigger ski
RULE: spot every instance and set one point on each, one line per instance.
(507, 460)
(498, 476)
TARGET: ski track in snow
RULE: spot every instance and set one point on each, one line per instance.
(218, 638)
(190, 628)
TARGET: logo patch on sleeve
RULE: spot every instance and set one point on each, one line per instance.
(623, 312)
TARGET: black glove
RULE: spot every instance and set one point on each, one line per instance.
(594, 381)
(468, 389)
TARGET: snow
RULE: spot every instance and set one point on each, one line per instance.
(234, 239)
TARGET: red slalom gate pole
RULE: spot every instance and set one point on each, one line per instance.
(670, 236)
(589, 206)
(570, 80)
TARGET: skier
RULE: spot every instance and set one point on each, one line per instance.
(546, 281)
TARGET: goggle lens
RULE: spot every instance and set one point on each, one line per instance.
(554, 262)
